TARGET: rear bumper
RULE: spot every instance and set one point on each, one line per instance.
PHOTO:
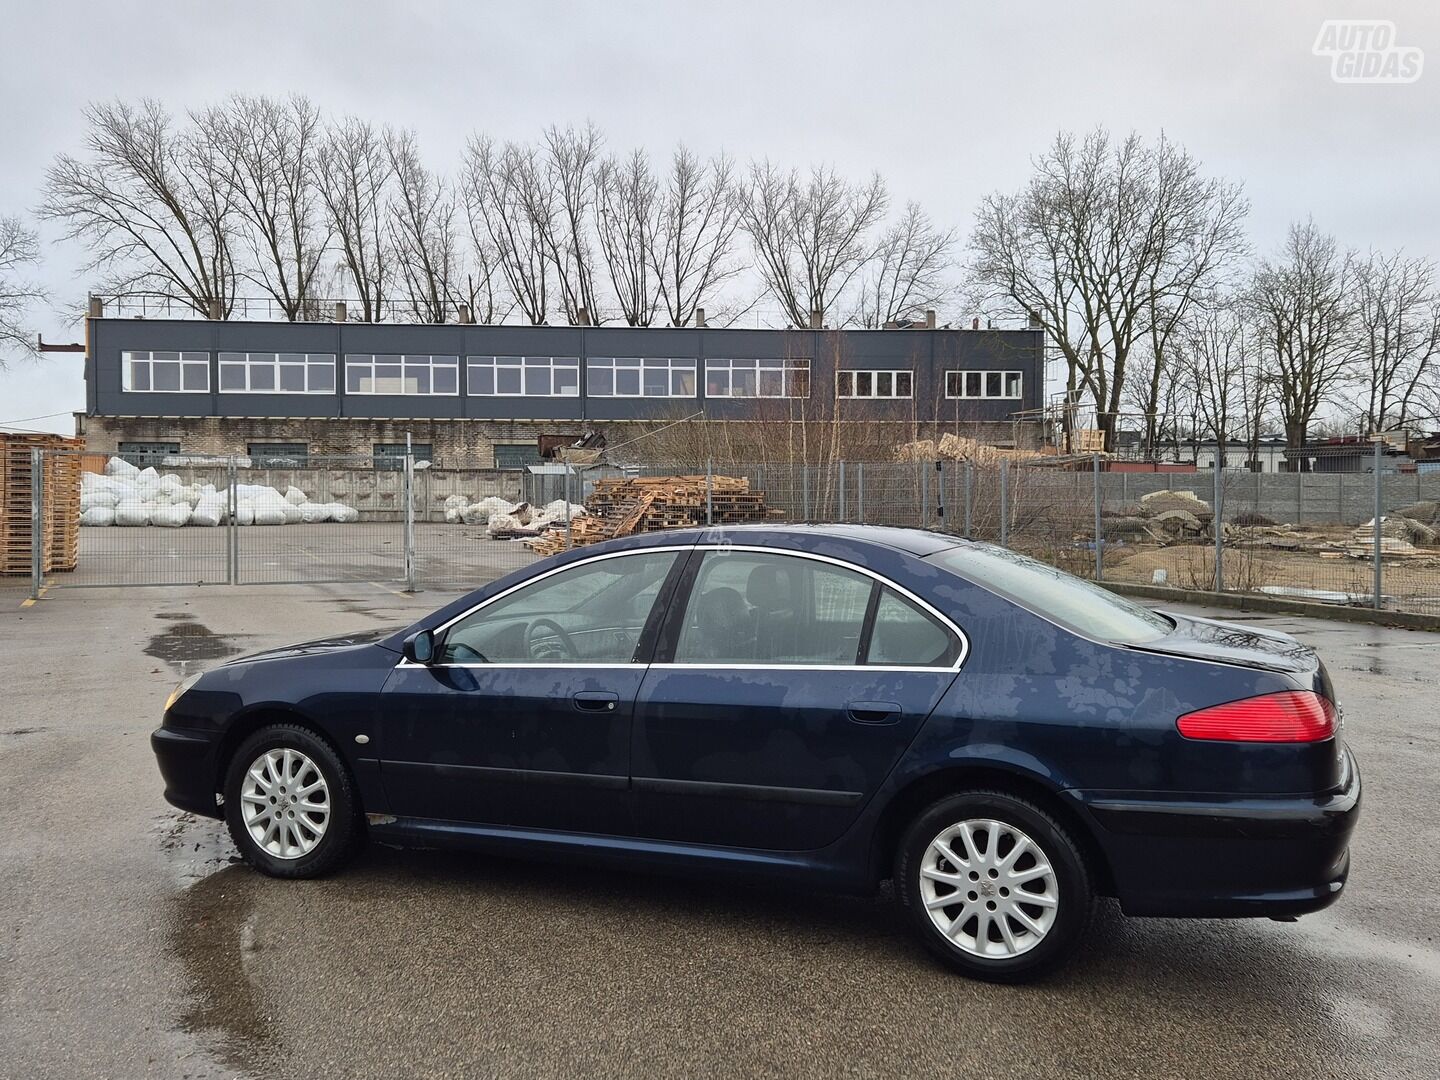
(1227, 857)
(186, 761)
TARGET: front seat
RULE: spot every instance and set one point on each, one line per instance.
(723, 628)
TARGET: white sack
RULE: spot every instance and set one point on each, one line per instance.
(98, 515)
(117, 466)
(267, 513)
(346, 515)
(132, 512)
(295, 497)
(208, 512)
(314, 513)
(455, 515)
(90, 500)
(170, 517)
(456, 502)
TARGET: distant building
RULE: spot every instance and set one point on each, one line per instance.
(497, 396)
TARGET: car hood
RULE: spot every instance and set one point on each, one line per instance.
(321, 645)
(1233, 643)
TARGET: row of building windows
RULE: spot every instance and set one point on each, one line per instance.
(530, 376)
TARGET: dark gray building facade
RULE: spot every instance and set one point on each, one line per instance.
(226, 386)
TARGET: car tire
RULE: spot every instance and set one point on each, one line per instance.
(290, 803)
(1035, 905)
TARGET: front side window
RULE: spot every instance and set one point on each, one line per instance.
(522, 376)
(766, 378)
(639, 376)
(278, 455)
(407, 374)
(587, 614)
(984, 384)
(165, 372)
(874, 384)
(277, 373)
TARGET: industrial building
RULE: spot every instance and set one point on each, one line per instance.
(472, 396)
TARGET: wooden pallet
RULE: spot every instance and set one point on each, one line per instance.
(623, 506)
(60, 521)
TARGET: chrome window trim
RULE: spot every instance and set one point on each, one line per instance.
(875, 575)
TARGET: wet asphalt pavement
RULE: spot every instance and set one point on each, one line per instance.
(132, 944)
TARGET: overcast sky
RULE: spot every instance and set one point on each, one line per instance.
(948, 100)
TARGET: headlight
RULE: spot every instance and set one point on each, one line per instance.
(179, 691)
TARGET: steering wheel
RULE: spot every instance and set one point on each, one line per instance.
(555, 644)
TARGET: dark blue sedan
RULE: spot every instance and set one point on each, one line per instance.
(822, 705)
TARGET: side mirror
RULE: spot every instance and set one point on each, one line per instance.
(420, 647)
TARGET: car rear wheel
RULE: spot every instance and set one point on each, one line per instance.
(993, 885)
(289, 803)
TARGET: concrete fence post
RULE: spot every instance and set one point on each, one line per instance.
(805, 490)
(860, 493)
(1099, 526)
(709, 491)
(840, 503)
(37, 521)
(1376, 601)
(569, 540)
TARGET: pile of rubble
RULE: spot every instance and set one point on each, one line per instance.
(1165, 517)
(504, 520)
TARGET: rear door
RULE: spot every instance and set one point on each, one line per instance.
(785, 688)
(525, 717)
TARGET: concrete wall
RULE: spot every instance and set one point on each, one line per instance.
(1294, 498)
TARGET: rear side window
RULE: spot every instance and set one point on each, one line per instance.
(755, 608)
(1076, 604)
(905, 636)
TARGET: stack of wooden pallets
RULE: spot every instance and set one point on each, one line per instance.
(622, 506)
(60, 516)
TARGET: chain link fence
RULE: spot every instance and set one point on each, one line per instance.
(1353, 531)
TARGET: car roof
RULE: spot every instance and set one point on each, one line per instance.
(917, 542)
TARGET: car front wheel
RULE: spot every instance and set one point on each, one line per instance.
(289, 803)
(993, 885)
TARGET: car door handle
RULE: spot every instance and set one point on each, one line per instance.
(596, 701)
(873, 712)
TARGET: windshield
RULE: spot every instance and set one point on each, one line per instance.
(1076, 604)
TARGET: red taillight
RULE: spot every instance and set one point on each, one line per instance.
(1289, 716)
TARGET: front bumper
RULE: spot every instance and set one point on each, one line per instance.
(1247, 856)
(187, 765)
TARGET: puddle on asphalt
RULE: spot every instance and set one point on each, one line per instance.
(186, 641)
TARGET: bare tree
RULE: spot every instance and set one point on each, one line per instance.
(1398, 324)
(155, 205)
(19, 249)
(1303, 305)
(1212, 355)
(1107, 247)
(510, 209)
(422, 232)
(627, 220)
(810, 238)
(571, 160)
(911, 271)
(695, 234)
(355, 179)
(273, 147)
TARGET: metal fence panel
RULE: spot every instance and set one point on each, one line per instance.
(1311, 536)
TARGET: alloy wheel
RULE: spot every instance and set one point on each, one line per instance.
(285, 803)
(989, 888)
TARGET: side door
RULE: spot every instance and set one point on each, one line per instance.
(524, 717)
(785, 688)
